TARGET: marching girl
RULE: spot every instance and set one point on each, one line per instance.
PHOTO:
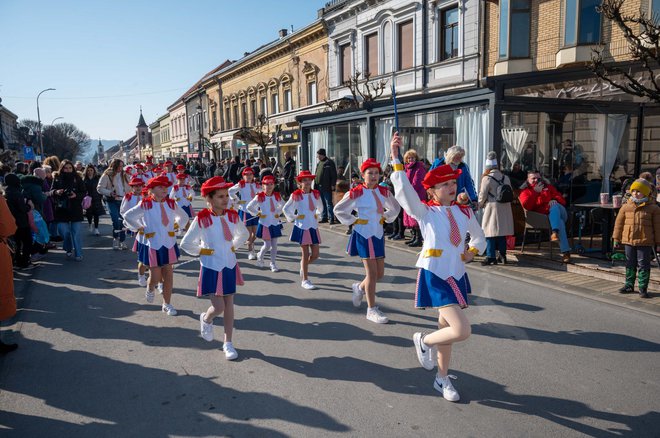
(303, 208)
(168, 170)
(214, 235)
(242, 193)
(148, 171)
(181, 170)
(267, 205)
(160, 217)
(129, 201)
(182, 193)
(442, 282)
(374, 206)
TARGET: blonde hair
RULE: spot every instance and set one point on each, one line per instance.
(452, 152)
(53, 161)
(410, 153)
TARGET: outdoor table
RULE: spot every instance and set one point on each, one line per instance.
(606, 245)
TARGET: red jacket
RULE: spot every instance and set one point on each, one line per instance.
(538, 202)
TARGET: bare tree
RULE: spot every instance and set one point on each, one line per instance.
(363, 91)
(643, 37)
(260, 134)
(62, 139)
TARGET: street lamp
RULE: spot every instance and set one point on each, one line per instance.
(41, 140)
(53, 122)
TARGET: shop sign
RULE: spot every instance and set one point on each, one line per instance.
(289, 136)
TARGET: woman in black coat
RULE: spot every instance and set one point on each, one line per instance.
(20, 209)
(69, 191)
(96, 209)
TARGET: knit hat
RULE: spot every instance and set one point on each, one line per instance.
(39, 172)
(491, 160)
(642, 185)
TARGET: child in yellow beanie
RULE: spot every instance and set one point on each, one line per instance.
(637, 226)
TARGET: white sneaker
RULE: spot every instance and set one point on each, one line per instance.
(252, 255)
(115, 244)
(149, 295)
(169, 309)
(91, 227)
(230, 351)
(96, 232)
(69, 254)
(142, 280)
(260, 262)
(205, 328)
(424, 352)
(357, 294)
(274, 268)
(78, 259)
(375, 315)
(444, 386)
(306, 284)
(122, 246)
(160, 288)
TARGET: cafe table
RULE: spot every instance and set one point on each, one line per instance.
(610, 214)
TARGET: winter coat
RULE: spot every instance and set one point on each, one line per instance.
(539, 202)
(415, 173)
(118, 185)
(16, 200)
(638, 225)
(97, 199)
(49, 209)
(464, 183)
(498, 216)
(326, 175)
(33, 187)
(7, 229)
(233, 171)
(69, 209)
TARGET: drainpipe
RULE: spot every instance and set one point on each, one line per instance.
(482, 41)
(425, 45)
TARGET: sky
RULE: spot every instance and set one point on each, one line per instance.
(106, 58)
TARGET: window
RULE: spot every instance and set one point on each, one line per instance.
(264, 106)
(449, 33)
(228, 114)
(387, 47)
(655, 10)
(237, 121)
(582, 22)
(287, 100)
(345, 55)
(311, 93)
(275, 103)
(244, 113)
(514, 29)
(371, 54)
(405, 45)
(253, 112)
(214, 115)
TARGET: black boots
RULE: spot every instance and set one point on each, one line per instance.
(417, 240)
(643, 277)
(6, 348)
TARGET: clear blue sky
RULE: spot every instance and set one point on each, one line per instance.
(106, 58)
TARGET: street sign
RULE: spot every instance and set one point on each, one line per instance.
(28, 153)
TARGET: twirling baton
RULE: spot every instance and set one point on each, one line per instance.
(396, 119)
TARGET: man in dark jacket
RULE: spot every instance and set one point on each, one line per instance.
(19, 209)
(289, 174)
(233, 173)
(325, 181)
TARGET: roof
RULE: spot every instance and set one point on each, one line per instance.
(199, 82)
(141, 122)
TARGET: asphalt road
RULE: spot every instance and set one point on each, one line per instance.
(95, 360)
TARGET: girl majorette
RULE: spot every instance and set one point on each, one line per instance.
(129, 201)
(303, 209)
(182, 193)
(267, 205)
(242, 193)
(374, 206)
(159, 217)
(442, 282)
(214, 236)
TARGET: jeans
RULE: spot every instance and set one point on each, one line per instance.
(326, 197)
(70, 232)
(558, 218)
(638, 256)
(495, 244)
(117, 221)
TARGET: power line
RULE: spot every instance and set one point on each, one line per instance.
(100, 97)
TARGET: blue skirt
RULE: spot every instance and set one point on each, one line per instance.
(432, 291)
(212, 282)
(188, 210)
(366, 248)
(305, 237)
(270, 232)
(248, 219)
(158, 257)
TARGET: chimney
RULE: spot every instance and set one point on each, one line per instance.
(245, 54)
(283, 33)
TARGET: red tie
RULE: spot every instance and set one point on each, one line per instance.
(379, 205)
(225, 229)
(163, 214)
(454, 233)
(311, 202)
(272, 206)
(252, 191)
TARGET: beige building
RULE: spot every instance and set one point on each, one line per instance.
(165, 135)
(278, 82)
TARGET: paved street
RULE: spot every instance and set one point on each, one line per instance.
(96, 360)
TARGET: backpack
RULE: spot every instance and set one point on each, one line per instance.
(504, 192)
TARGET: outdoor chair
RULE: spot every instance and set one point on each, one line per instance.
(537, 223)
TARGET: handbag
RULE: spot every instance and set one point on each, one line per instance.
(86, 202)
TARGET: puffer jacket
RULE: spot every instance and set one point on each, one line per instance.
(638, 225)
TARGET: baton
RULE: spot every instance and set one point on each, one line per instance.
(396, 119)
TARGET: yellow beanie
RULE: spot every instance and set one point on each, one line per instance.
(641, 185)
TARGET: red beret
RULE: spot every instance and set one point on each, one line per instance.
(305, 174)
(247, 170)
(180, 167)
(368, 164)
(136, 181)
(268, 179)
(439, 175)
(168, 163)
(213, 184)
(139, 166)
(181, 176)
(158, 181)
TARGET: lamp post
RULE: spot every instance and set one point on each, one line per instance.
(41, 140)
(53, 122)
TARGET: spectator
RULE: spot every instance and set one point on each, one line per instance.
(96, 209)
(517, 175)
(4, 170)
(232, 173)
(80, 168)
(21, 169)
(465, 184)
(211, 169)
(33, 188)
(497, 221)
(415, 171)
(113, 185)
(289, 174)
(7, 299)
(69, 191)
(538, 195)
(325, 181)
(53, 161)
(49, 209)
(20, 209)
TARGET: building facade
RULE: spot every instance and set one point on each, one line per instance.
(165, 136)
(8, 129)
(178, 129)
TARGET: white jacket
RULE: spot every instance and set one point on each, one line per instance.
(210, 235)
(261, 205)
(182, 194)
(116, 184)
(297, 209)
(363, 200)
(147, 215)
(438, 254)
(242, 193)
(129, 201)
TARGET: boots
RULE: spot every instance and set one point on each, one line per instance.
(7, 348)
(418, 241)
(629, 286)
(643, 282)
(412, 236)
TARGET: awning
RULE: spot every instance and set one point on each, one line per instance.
(224, 136)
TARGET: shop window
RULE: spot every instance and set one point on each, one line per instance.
(449, 33)
(345, 55)
(311, 93)
(514, 29)
(581, 22)
(371, 54)
(405, 46)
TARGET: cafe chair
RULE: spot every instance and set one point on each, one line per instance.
(596, 217)
(537, 223)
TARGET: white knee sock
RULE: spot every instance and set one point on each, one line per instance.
(273, 250)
